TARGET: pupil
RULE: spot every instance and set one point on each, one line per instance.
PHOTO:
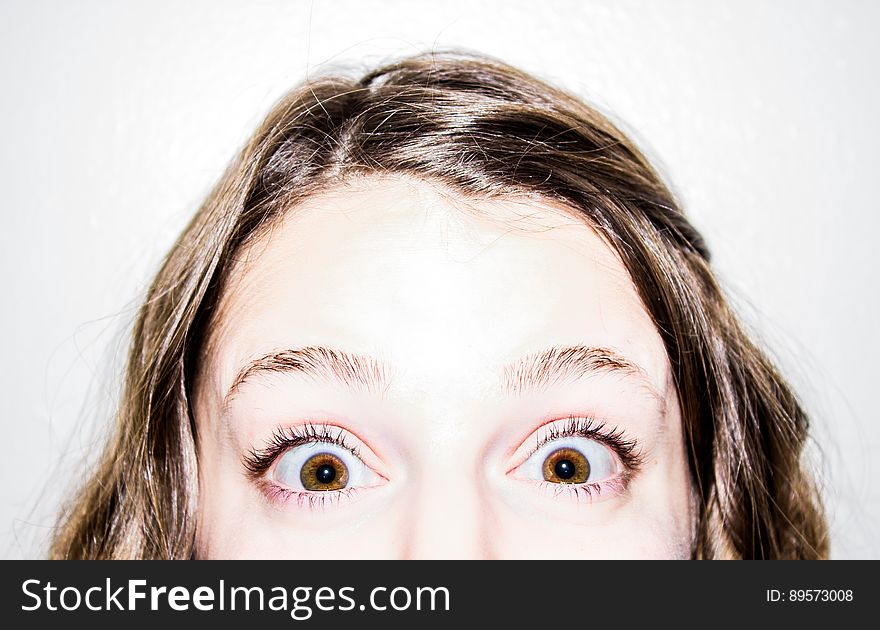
(325, 474)
(564, 469)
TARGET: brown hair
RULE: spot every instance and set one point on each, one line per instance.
(486, 129)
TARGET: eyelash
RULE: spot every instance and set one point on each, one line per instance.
(627, 451)
(258, 461)
(310, 500)
(284, 438)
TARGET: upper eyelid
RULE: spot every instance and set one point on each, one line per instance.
(308, 432)
(258, 461)
(629, 450)
(553, 433)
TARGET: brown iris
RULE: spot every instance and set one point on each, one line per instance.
(566, 465)
(324, 471)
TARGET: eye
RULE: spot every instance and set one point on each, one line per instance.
(322, 467)
(570, 460)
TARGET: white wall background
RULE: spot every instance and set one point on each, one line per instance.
(116, 117)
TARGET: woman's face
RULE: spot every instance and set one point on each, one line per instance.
(395, 372)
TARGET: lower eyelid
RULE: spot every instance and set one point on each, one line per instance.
(590, 492)
(279, 496)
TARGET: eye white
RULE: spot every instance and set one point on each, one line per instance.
(603, 464)
(288, 469)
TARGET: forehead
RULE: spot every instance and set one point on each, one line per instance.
(412, 272)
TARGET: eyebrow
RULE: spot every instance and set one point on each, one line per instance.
(351, 371)
(539, 371)
(564, 364)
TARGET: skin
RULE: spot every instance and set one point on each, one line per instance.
(446, 292)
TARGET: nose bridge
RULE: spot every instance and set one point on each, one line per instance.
(447, 517)
(446, 513)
